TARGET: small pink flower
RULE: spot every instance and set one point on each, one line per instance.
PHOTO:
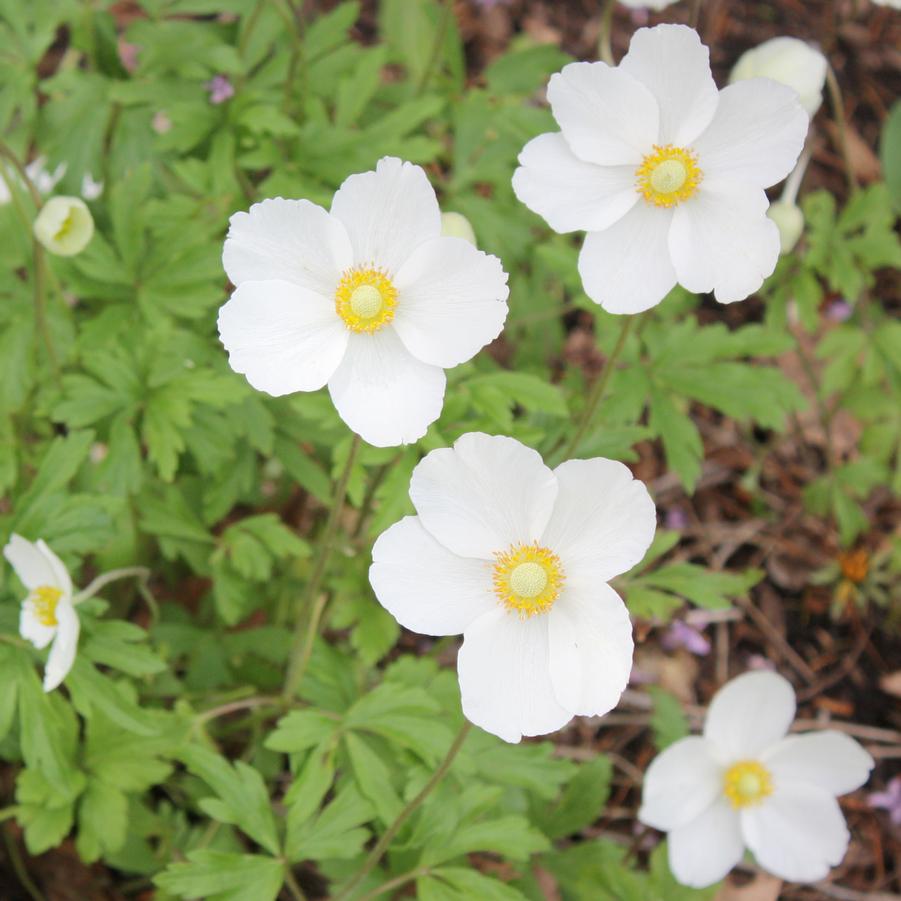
(839, 311)
(676, 519)
(682, 635)
(161, 123)
(128, 55)
(220, 88)
(889, 800)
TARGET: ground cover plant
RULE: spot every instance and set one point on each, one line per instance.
(332, 332)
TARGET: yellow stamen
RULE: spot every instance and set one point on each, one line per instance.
(747, 783)
(527, 578)
(668, 176)
(44, 599)
(365, 299)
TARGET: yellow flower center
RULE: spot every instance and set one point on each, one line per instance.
(746, 783)
(365, 299)
(668, 176)
(45, 598)
(527, 578)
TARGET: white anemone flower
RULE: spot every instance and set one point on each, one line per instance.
(517, 557)
(664, 172)
(48, 613)
(368, 298)
(790, 61)
(64, 225)
(746, 783)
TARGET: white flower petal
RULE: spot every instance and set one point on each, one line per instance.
(62, 580)
(451, 301)
(569, 194)
(387, 212)
(722, 241)
(62, 652)
(292, 240)
(606, 116)
(590, 649)
(383, 392)
(282, 337)
(483, 494)
(627, 268)
(504, 677)
(706, 849)
(423, 585)
(674, 65)
(797, 833)
(828, 760)
(603, 520)
(32, 565)
(32, 629)
(680, 784)
(756, 135)
(748, 714)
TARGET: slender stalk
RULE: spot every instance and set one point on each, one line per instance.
(395, 883)
(293, 885)
(381, 846)
(139, 572)
(234, 706)
(447, 9)
(302, 643)
(599, 388)
(605, 46)
(838, 113)
(39, 258)
(793, 182)
(18, 865)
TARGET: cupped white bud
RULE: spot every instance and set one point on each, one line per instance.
(456, 225)
(64, 226)
(789, 61)
(789, 220)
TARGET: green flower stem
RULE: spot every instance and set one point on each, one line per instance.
(293, 885)
(302, 643)
(447, 9)
(599, 387)
(234, 706)
(396, 883)
(139, 572)
(381, 846)
(40, 261)
(605, 47)
(838, 113)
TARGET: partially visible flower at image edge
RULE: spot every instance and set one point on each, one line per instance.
(368, 298)
(889, 800)
(48, 613)
(665, 173)
(517, 557)
(746, 783)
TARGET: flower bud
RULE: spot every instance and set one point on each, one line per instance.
(64, 225)
(456, 225)
(789, 220)
(789, 61)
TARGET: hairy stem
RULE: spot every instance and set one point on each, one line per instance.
(302, 643)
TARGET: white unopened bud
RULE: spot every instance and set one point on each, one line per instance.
(456, 225)
(789, 220)
(789, 61)
(64, 225)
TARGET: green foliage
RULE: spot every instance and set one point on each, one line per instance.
(170, 753)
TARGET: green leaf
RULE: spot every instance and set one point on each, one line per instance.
(300, 730)
(223, 876)
(668, 720)
(459, 884)
(372, 777)
(581, 803)
(335, 834)
(242, 797)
